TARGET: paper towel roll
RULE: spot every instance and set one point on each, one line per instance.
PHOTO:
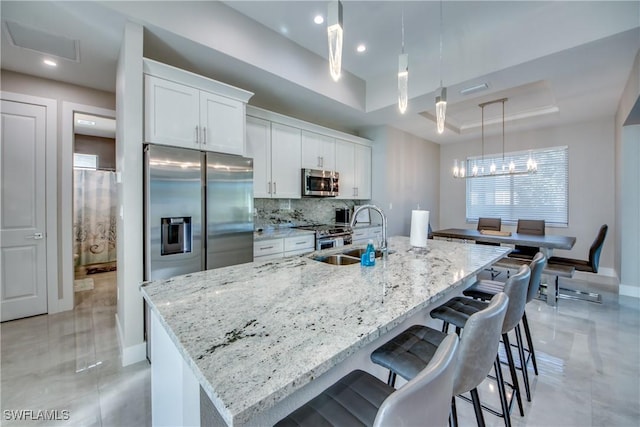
(419, 228)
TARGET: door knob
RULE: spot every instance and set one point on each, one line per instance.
(35, 236)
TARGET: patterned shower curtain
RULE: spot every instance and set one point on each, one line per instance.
(95, 208)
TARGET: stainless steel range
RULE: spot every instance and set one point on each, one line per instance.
(330, 235)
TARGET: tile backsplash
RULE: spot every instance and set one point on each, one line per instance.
(298, 211)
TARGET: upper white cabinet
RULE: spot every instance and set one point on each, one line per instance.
(183, 109)
(275, 149)
(281, 146)
(353, 163)
(222, 121)
(318, 151)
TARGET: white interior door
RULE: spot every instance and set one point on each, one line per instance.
(22, 210)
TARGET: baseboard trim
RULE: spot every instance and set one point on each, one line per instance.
(132, 354)
(629, 291)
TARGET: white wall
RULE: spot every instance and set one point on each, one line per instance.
(405, 174)
(129, 158)
(591, 180)
(627, 146)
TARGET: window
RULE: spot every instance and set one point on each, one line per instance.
(542, 195)
(85, 161)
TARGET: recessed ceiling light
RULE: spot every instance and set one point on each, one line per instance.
(284, 30)
(50, 63)
(319, 19)
(361, 48)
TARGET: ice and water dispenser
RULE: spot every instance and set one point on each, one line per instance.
(176, 235)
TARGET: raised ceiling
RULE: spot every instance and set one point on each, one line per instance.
(557, 62)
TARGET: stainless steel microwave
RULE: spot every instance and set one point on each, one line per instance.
(319, 183)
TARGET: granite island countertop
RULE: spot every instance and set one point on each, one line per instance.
(255, 333)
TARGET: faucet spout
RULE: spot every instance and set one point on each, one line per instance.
(383, 246)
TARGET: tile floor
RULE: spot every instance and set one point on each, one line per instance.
(588, 358)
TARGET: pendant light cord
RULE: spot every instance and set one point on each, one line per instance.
(440, 43)
(503, 132)
(403, 29)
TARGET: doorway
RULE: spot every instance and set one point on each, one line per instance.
(94, 210)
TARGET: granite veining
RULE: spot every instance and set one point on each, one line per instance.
(255, 333)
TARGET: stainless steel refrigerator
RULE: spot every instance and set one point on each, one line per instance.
(198, 211)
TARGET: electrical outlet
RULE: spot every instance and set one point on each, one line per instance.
(285, 204)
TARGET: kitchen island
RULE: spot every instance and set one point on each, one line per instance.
(246, 344)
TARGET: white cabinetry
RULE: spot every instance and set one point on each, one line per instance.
(275, 149)
(268, 249)
(353, 163)
(283, 247)
(185, 110)
(318, 151)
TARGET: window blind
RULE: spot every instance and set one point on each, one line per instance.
(541, 195)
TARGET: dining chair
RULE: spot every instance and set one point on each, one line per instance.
(493, 224)
(590, 265)
(534, 227)
(360, 399)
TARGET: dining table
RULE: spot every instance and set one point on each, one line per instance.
(546, 243)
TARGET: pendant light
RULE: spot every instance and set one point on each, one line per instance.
(334, 33)
(510, 169)
(403, 75)
(441, 99)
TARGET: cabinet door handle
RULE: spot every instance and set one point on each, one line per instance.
(266, 247)
(322, 162)
(275, 189)
(269, 190)
(300, 243)
(197, 134)
(357, 191)
(204, 133)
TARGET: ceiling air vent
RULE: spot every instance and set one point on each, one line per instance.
(42, 42)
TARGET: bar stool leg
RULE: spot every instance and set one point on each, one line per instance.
(477, 407)
(512, 369)
(527, 334)
(453, 418)
(391, 380)
(501, 391)
(523, 362)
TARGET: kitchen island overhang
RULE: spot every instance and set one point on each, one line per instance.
(256, 334)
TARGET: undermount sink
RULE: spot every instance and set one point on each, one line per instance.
(338, 259)
(351, 256)
(358, 252)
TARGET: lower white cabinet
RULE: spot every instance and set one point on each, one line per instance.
(283, 247)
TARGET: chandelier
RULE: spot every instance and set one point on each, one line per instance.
(460, 171)
(334, 34)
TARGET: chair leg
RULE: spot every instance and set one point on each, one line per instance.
(391, 380)
(527, 334)
(523, 362)
(477, 407)
(453, 417)
(512, 369)
(501, 391)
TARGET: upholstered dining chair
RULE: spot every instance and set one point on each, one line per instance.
(493, 224)
(534, 227)
(590, 265)
(360, 399)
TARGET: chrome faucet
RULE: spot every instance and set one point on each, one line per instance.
(383, 246)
